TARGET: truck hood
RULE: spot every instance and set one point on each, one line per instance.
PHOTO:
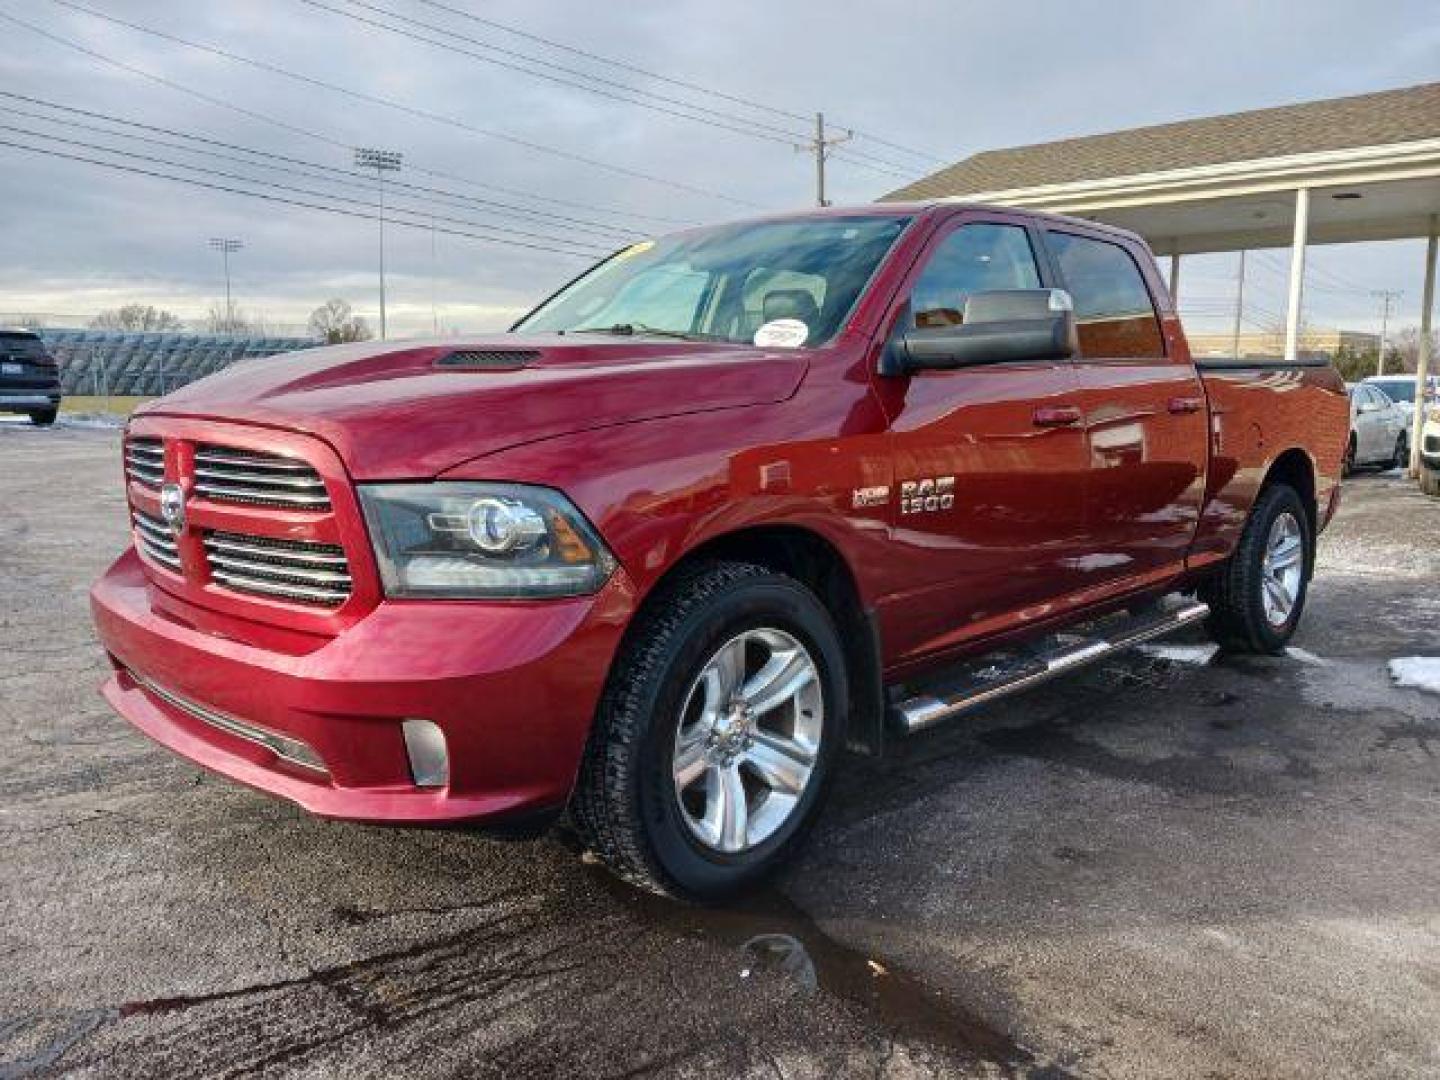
(407, 410)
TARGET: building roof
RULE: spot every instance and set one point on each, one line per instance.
(1387, 117)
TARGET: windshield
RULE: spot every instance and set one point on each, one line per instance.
(725, 283)
(1397, 389)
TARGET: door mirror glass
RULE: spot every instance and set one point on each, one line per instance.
(998, 326)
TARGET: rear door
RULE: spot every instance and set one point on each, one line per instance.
(989, 460)
(1370, 426)
(1146, 423)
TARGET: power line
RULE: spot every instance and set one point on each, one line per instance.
(344, 177)
(221, 103)
(361, 214)
(660, 103)
(648, 73)
(203, 170)
(774, 133)
(410, 110)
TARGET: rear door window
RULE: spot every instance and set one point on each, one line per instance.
(1114, 315)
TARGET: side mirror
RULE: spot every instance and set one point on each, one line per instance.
(999, 326)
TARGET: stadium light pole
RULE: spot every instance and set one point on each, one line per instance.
(225, 245)
(382, 161)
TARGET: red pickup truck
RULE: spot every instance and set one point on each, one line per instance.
(729, 502)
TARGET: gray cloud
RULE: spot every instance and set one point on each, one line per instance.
(945, 77)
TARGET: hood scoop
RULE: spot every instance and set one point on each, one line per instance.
(489, 359)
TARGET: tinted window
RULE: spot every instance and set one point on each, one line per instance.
(23, 345)
(974, 258)
(1115, 316)
(1397, 390)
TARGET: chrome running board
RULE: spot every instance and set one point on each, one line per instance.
(987, 679)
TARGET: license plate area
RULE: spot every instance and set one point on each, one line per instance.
(8, 368)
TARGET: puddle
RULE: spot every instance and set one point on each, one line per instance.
(769, 930)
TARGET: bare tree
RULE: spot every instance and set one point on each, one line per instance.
(235, 321)
(334, 322)
(1404, 351)
(136, 317)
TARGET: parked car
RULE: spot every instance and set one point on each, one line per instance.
(1379, 429)
(1401, 389)
(1430, 451)
(29, 377)
(725, 504)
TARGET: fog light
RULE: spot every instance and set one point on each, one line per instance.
(429, 759)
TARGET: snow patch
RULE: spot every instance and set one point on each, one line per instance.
(1421, 672)
(1306, 657)
(91, 420)
(1200, 655)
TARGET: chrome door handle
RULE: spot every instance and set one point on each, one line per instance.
(1179, 405)
(1056, 416)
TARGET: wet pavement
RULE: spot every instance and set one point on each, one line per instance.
(1154, 868)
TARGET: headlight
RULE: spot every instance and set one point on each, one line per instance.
(482, 540)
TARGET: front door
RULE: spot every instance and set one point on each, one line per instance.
(989, 459)
(1146, 422)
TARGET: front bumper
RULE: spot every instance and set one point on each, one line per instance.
(513, 686)
(1430, 445)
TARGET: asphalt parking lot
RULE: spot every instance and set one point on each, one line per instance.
(1160, 867)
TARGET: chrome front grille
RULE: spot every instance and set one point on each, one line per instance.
(257, 478)
(154, 541)
(145, 462)
(288, 569)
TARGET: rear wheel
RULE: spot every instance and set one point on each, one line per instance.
(1351, 452)
(1401, 457)
(1257, 598)
(43, 417)
(1429, 480)
(714, 741)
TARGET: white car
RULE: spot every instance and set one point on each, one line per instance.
(1401, 389)
(1430, 452)
(1379, 429)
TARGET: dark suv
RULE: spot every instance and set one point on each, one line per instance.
(29, 377)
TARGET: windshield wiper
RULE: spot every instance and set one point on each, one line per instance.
(631, 329)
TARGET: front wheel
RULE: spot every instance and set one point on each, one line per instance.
(43, 417)
(714, 740)
(1257, 597)
(1429, 480)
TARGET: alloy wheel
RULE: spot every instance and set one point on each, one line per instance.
(748, 739)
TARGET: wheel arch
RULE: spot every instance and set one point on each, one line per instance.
(1295, 469)
(812, 559)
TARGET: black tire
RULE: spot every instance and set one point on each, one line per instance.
(1351, 450)
(43, 417)
(1238, 622)
(1429, 480)
(625, 806)
(1401, 457)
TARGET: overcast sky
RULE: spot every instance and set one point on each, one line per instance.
(947, 78)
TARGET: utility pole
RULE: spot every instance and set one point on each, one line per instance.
(225, 245)
(821, 147)
(1387, 297)
(1239, 306)
(382, 161)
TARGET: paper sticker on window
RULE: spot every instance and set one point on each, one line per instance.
(635, 249)
(782, 334)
